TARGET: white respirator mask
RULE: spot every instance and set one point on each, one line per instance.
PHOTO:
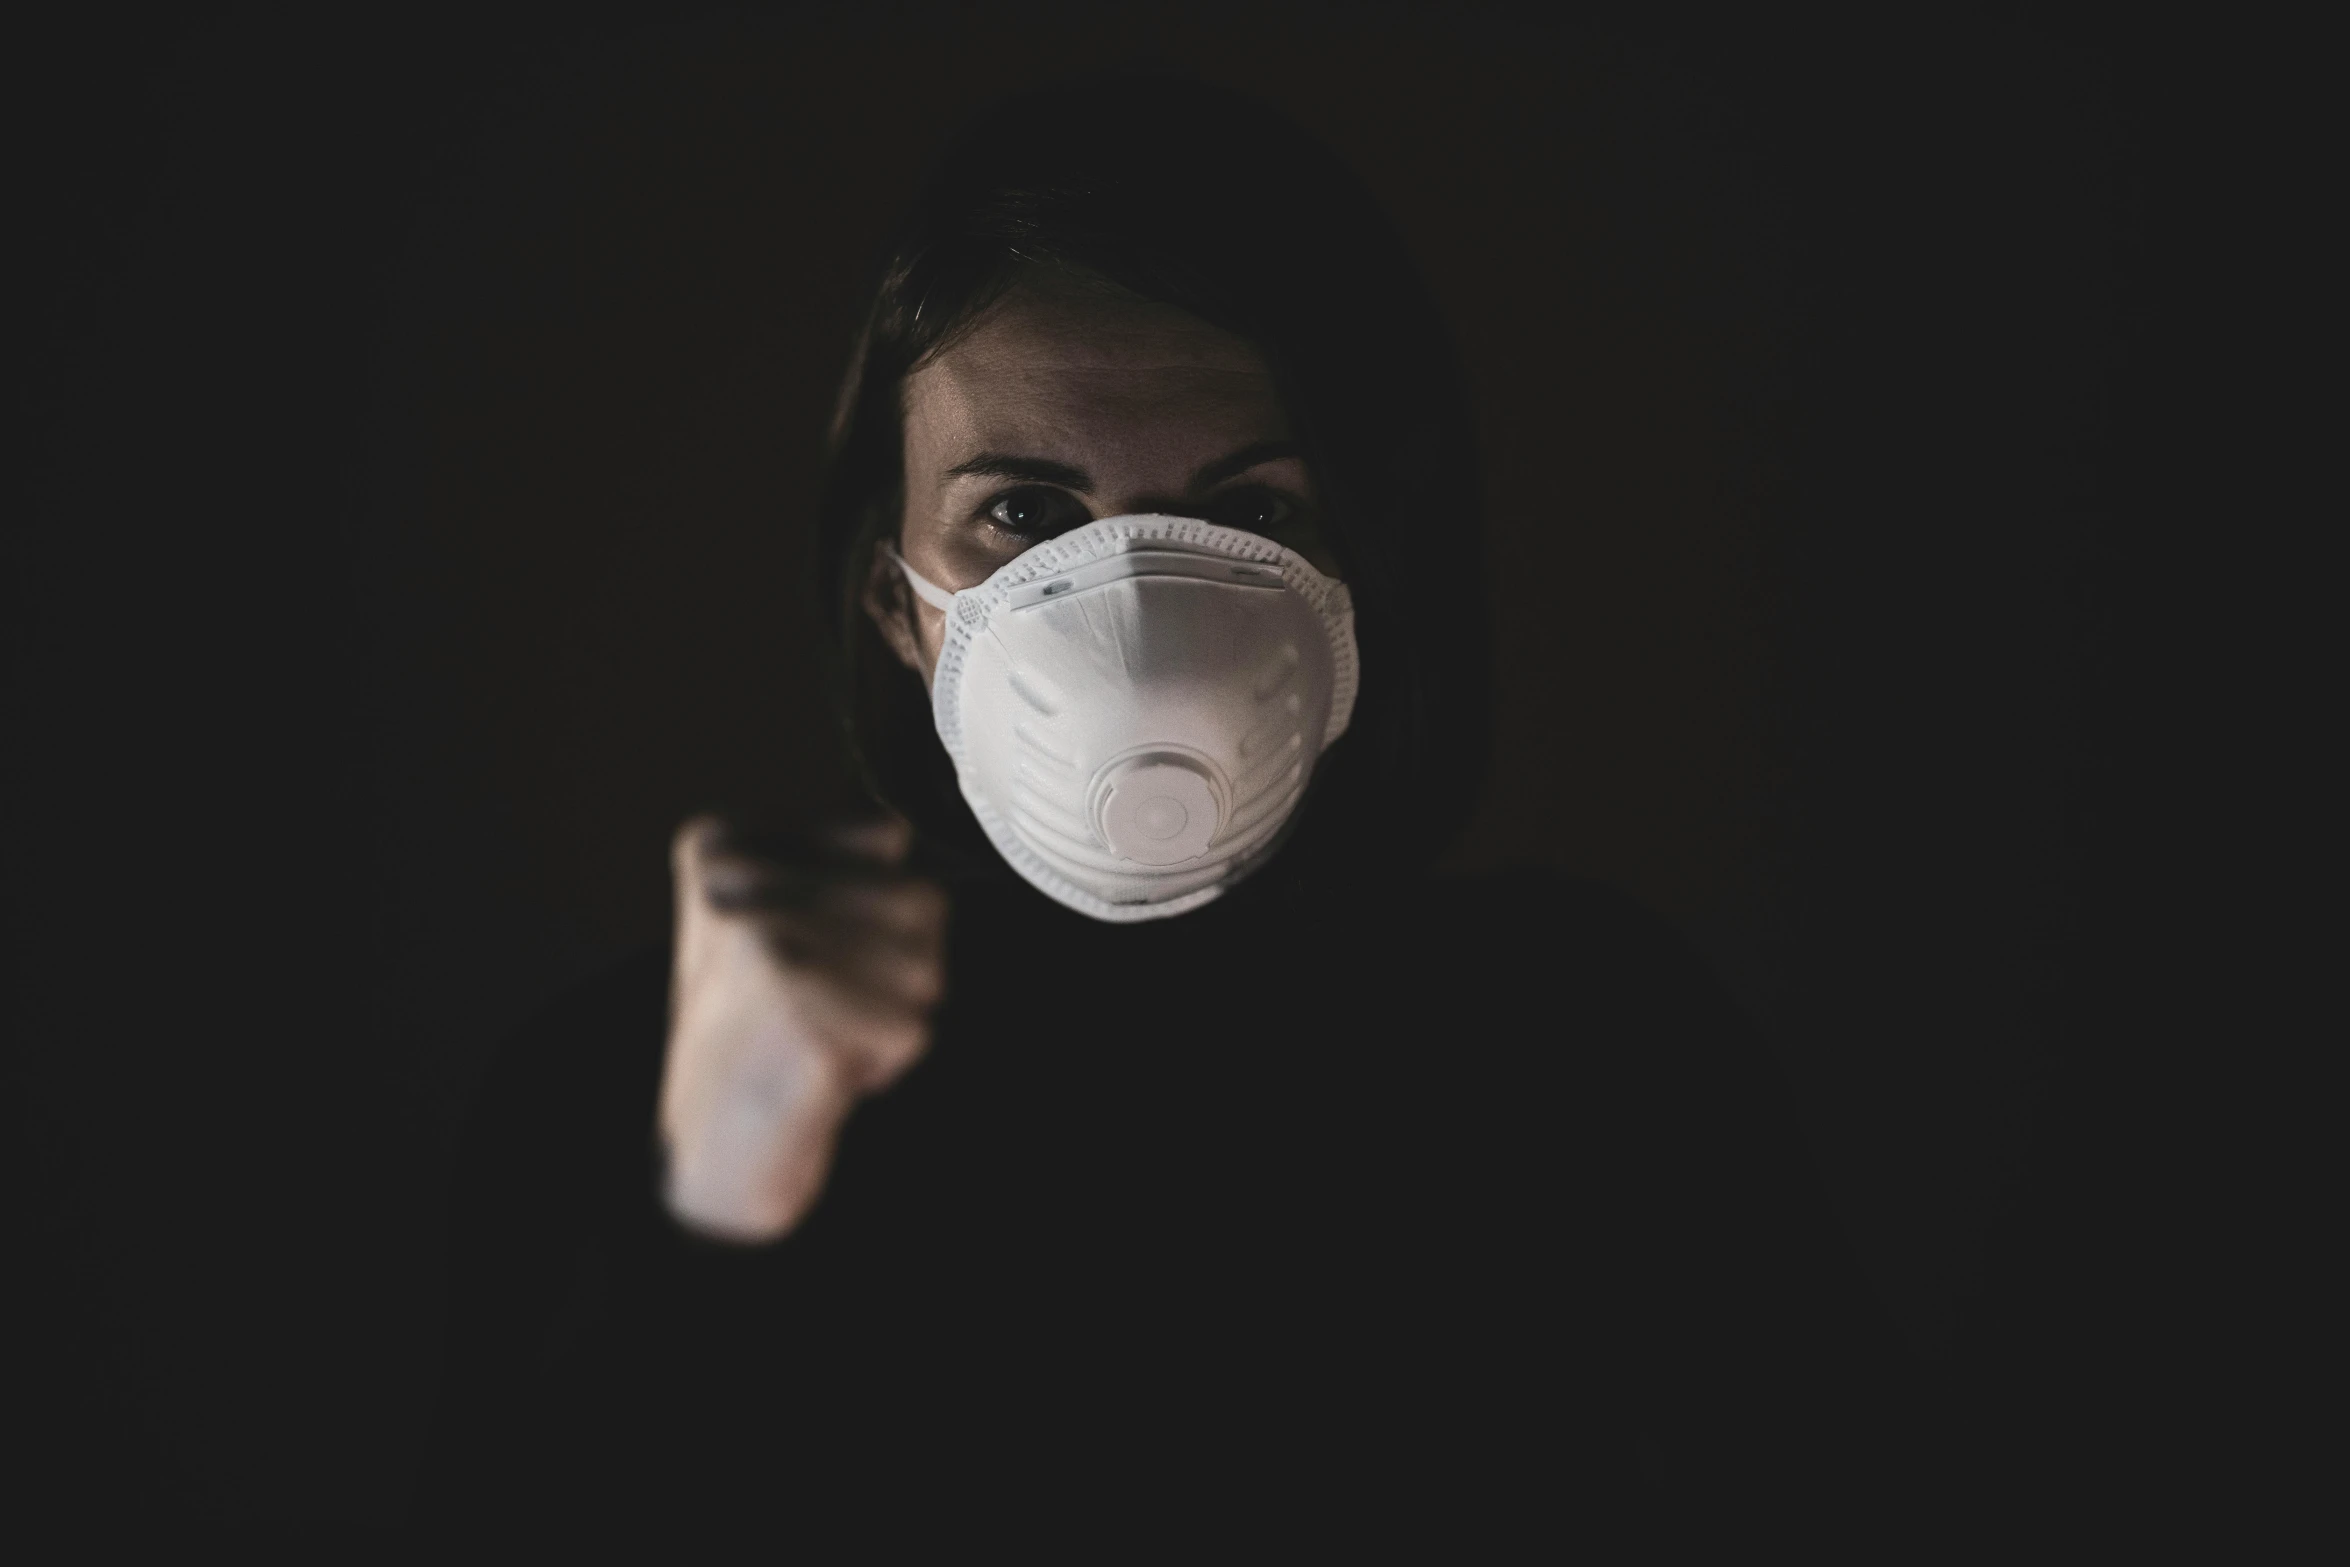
(1134, 708)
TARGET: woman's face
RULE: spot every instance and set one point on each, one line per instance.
(1065, 403)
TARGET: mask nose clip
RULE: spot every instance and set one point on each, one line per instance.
(1159, 806)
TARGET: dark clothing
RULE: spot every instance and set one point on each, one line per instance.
(1461, 1212)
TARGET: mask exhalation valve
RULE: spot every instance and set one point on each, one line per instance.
(1157, 809)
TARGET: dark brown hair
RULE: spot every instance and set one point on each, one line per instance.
(1195, 196)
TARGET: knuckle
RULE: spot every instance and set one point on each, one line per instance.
(899, 1045)
(927, 984)
(853, 902)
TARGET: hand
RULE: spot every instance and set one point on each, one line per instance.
(806, 970)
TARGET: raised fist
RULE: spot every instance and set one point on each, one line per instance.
(806, 970)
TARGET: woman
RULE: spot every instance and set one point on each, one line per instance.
(1227, 1175)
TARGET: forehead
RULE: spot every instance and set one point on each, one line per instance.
(1053, 364)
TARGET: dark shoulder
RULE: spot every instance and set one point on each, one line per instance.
(1571, 958)
(1559, 929)
(1541, 898)
(605, 1023)
(629, 988)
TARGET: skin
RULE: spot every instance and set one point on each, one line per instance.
(1066, 402)
(1141, 400)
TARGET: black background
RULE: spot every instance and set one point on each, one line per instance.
(419, 402)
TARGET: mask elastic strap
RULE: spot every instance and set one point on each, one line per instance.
(926, 590)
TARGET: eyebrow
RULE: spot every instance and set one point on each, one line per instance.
(1040, 470)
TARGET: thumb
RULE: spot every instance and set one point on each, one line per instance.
(689, 853)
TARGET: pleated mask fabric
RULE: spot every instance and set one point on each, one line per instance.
(1135, 707)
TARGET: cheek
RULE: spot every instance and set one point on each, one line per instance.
(963, 555)
(931, 629)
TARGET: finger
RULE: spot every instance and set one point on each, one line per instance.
(689, 846)
(873, 1040)
(910, 979)
(710, 836)
(894, 971)
(732, 884)
(842, 843)
(737, 878)
(886, 839)
(903, 911)
(906, 918)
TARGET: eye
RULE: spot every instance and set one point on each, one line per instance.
(1035, 512)
(1253, 510)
